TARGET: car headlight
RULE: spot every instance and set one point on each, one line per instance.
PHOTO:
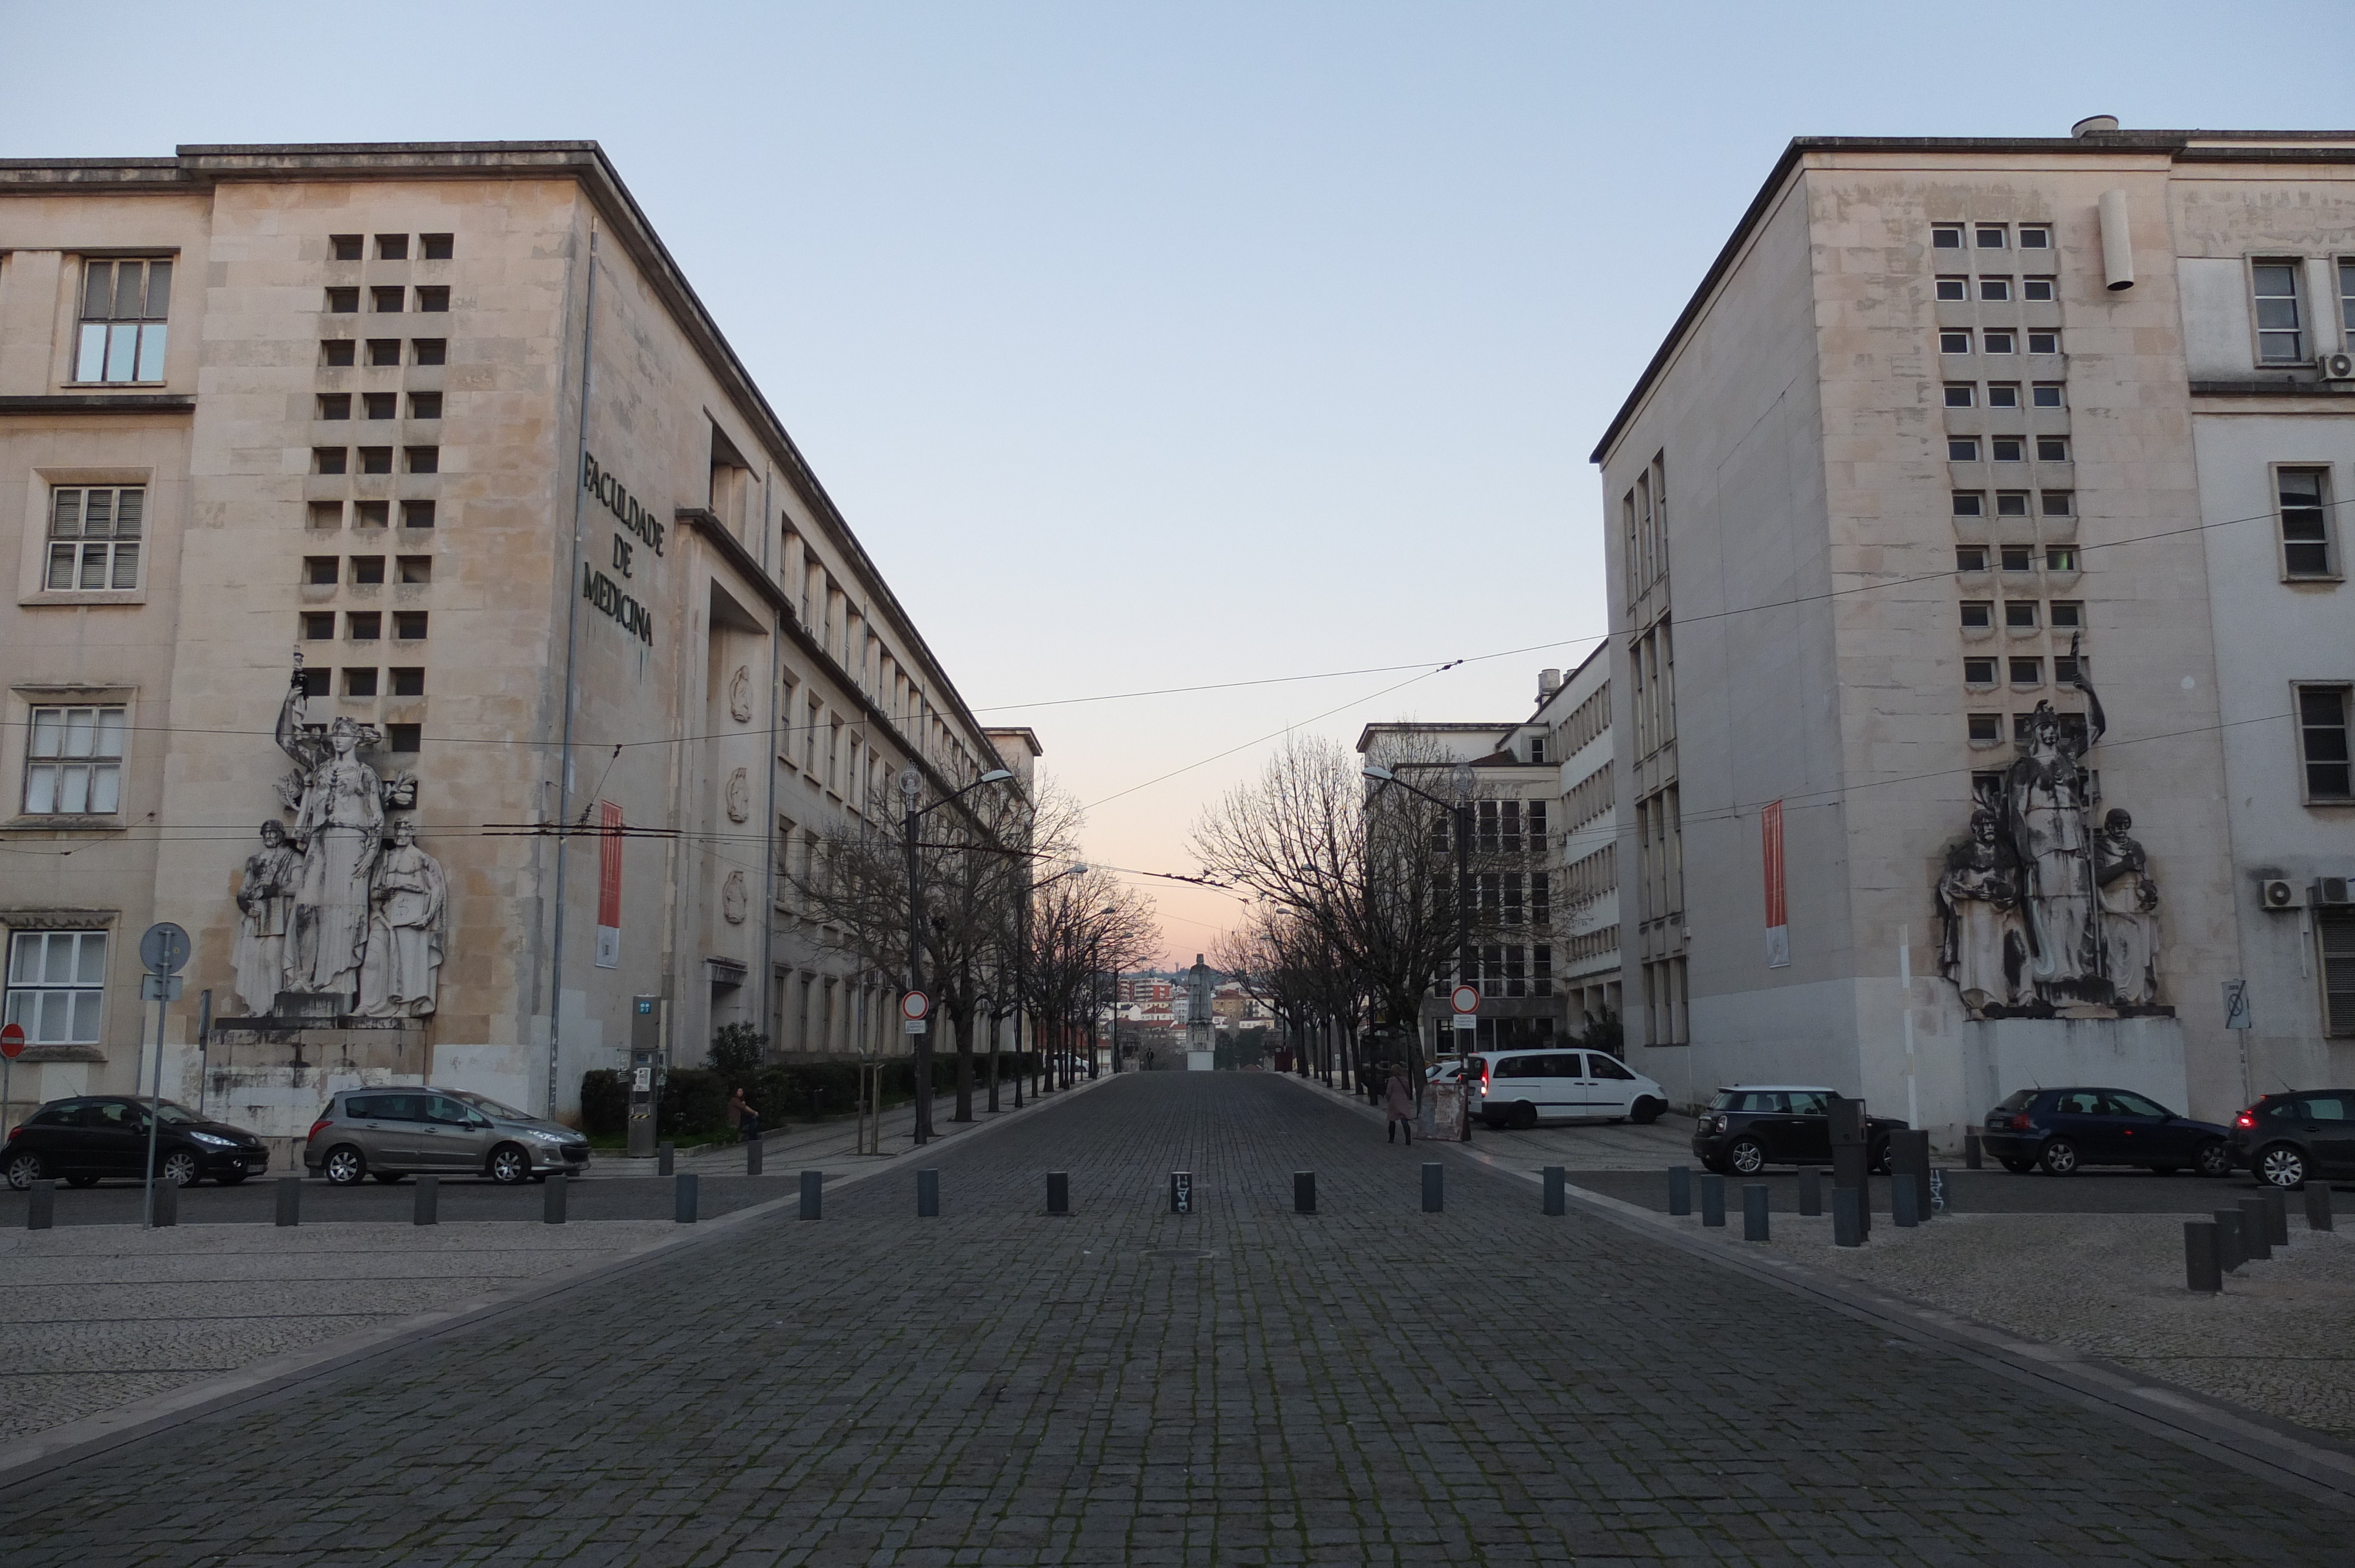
(214, 1138)
(549, 1137)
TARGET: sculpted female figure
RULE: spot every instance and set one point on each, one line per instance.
(399, 976)
(266, 902)
(340, 819)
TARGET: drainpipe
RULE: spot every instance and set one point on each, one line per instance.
(571, 656)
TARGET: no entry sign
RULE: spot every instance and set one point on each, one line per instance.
(12, 1040)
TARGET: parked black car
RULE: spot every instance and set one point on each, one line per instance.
(2288, 1139)
(91, 1138)
(2059, 1132)
(1751, 1126)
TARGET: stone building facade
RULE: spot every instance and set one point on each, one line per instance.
(421, 466)
(1979, 606)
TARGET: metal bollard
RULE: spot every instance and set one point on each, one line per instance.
(1435, 1191)
(1681, 1189)
(928, 1194)
(1753, 1211)
(2202, 1265)
(1811, 1191)
(1904, 1202)
(167, 1204)
(1304, 1191)
(1712, 1199)
(1909, 1165)
(1182, 1191)
(664, 1154)
(551, 1198)
(2256, 1242)
(683, 1195)
(2229, 1253)
(41, 1205)
(1557, 1201)
(1971, 1152)
(2278, 1218)
(752, 1155)
(1059, 1192)
(427, 1210)
(813, 1193)
(290, 1202)
(1848, 1227)
(2318, 1216)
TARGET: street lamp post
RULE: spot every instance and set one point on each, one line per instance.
(1462, 812)
(911, 784)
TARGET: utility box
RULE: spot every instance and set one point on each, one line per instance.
(646, 1072)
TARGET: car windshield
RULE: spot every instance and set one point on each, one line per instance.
(1726, 1100)
(171, 1112)
(2019, 1102)
(485, 1103)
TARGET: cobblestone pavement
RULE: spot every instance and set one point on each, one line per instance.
(1241, 1385)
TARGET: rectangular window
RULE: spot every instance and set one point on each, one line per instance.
(2019, 614)
(2028, 671)
(416, 568)
(2036, 289)
(433, 298)
(386, 301)
(431, 350)
(2066, 669)
(2347, 303)
(2059, 558)
(2019, 558)
(1946, 237)
(376, 459)
(2335, 930)
(73, 762)
(342, 301)
(2281, 331)
(392, 248)
(2305, 498)
(1970, 557)
(409, 625)
(1995, 287)
(2044, 343)
(360, 681)
(426, 405)
(338, 353)
(2035, 237)
(404, 737)
(1979, 613)
(371, 514)
(1953, 288)
(1962, 448)
(321, 571)
(57, 984)
(409, 680)
(363, 625)
(368, 570)
(1999, 342)
(94, 536)
(437, 246)
(2011, 504)
(1988, 236)
(326, 515)
(123, 304)
(384, 351)
(344, 246)
(335, 405)
(1955, 340)
(2003, 394)
(328, 459)
(1985, 726)
(425, 460)
(2322, 742)
(381, 404)
(1970, 504)
(1536, 826)
(1959, 394)
(2052, 448)
(318, 626)
(2048, 394)
(2006, 448)
(315, 682)
(2058, 502)
(416, 513)
(1978, 671)
(2068, 615)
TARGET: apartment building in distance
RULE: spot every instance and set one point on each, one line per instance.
(1977, 598)
(419, 603)
(1571, 729)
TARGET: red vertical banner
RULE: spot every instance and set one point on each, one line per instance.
(609, 885)
(1778, 927)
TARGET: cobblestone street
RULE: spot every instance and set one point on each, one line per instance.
(1241, 1385)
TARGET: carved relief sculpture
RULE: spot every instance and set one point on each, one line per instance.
(739, 694)
(266, 902)
(2129, 917)
(739, 796)
(1986, 945)
(734, 903)
(400, 973)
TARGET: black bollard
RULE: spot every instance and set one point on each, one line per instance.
(2256, 1242)
(1059, 1192)
(683, 1195)
(928, 1194)
(1914, 1146)
(2318, 1216)
(1847, 1203)
(1182, 1191)
(290, 1202)
(1753, 1211)
(752, 1155)
(167, 1204)
(1434, 1192)
(1712, 1199)
(664, 1154)
(2202, 1268)
(551, 1200)
(1971, 1152)
(1681, 1189)
(1904, 1200)
(427, 1209)
(813, 1193)
(2230, 1254)
(1811, 1191)
(41, 1205)
(2278, 1218)
(1304, 1191)
(1557, 1201)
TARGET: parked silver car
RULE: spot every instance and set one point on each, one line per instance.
(396, 1132)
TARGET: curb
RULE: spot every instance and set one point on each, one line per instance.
(69, 1443)
(2313, 1466)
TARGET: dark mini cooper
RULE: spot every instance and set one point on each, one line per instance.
(1751, 1126)
(2288, 1139)
(2059, 1131)
(96, 1137)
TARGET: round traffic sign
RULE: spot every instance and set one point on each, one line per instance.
(1465, 999)
(914, 1005)
(12, 1040)
(164, 948)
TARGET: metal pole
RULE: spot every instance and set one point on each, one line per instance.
(155, 1112)
(916, 974)
(204, 1045)
(1464, 944)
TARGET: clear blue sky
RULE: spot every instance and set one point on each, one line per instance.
(1150, 345)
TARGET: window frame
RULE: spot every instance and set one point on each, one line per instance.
(1951, 288)
(1962, 448)
(2032, 621)
(2300, 332)
(2332, 563)
(77, 987)
(1969, 391)
(31, 703)
(2299, 728)
(1949, 336)
(144, 355)
(2000, 340)
(2011, 387)
(43, 561)
(1996, 290)
(2030, 285)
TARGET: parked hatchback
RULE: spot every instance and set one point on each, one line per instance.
(2059, 1132)
(1521, 1088)
(392, 1133)
(2288, 1139)
(1750, 1126)
(97, 1138)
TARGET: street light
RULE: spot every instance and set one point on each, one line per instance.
(1462, 812)
(911, 784)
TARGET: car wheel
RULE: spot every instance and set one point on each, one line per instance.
(2059, 1158)
(81, 1181)
(24, 1170)
(345, 1165)
(389, 1178)
(182, 1168)
(510, 1164)
(1523, 1116)
(2212, 1159)
(1646, 1111)
(1877, 1164)
(2281, 1165)
(2020, 1167)
(1747, 1155)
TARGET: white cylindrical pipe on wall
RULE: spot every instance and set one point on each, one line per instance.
(2117, 242)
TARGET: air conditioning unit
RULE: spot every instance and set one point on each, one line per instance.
(2336, 367)
(2330, 893)
(2279, 892)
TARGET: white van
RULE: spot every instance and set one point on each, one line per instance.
(1521, 1088)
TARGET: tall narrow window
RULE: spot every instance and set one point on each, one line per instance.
(73, 762)
(57, 981)
(94, 536)
(2305, 498)
(2347, 303)
(2322, 743)
(123, 304)
(2281, 334)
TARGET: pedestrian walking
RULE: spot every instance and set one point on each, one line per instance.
(1401, 1101)
(747, 1119)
